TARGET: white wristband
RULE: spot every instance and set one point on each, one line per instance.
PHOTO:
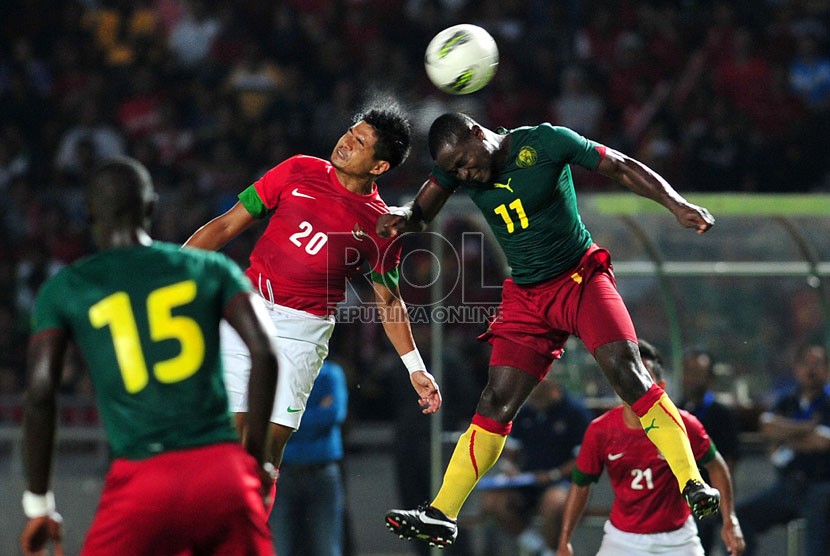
(413, 361)
(38, 505)
(405, 212)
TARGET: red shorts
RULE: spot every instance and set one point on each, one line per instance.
(533, 322)
(196, 501)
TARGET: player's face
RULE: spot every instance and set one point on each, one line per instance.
(354, 153)
(469, 160)
(695, 374)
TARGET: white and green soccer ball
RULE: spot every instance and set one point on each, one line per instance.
(461, 59)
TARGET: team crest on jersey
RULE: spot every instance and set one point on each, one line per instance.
(527, 157)
(358, 232)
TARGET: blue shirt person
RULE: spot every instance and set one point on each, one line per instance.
(798, 428)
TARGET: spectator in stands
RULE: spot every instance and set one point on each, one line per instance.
(579, 106)
(809, 73)
(255, 81)
(92, 136)
(123, 30)
(193, 34)
(543, 443)
(719, 420)
(798, 430)
(309, 514)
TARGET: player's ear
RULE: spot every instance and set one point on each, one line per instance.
(380, 167)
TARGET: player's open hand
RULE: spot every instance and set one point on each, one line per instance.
(693, 216)
(733, 537)
(390, 224)
(428, 393)
(39, 531)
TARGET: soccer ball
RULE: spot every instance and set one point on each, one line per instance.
(461, 59)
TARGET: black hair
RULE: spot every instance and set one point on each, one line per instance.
(448, 129)
(120, 191)
(648, 352)
(393, 130)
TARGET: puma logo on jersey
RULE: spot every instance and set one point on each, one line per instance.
(504, 185)
(296, 193)
(653, 425)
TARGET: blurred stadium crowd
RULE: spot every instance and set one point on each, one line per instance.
(715, 95)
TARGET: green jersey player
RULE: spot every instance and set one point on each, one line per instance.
(145, 316)
(561, 284)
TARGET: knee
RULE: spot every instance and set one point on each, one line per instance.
(495, 405)
(624, 370)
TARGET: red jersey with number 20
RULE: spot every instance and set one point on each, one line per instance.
(647, 498)
(318, 236)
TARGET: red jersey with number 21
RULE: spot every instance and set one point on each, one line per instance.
(318, 236)
(647, 497)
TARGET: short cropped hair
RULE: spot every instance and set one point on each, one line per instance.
(120, 190)
(393, 130)
(448, 129)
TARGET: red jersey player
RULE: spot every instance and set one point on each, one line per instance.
(648, 515)
(321, 230)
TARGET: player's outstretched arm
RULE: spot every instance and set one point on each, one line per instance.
(219, 231)
(645, 182)
(395, 319)
(721, 479)
(414, 216)
(574, 507)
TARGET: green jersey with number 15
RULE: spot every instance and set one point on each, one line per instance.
(530, 204)
(146, 319)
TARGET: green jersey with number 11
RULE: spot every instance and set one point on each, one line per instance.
(530, 204)
(146, 319)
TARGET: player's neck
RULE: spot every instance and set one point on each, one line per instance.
(630, 418)
(125, 237)
(361, 185)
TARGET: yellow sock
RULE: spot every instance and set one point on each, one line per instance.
(664, 427)
(475, 453)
